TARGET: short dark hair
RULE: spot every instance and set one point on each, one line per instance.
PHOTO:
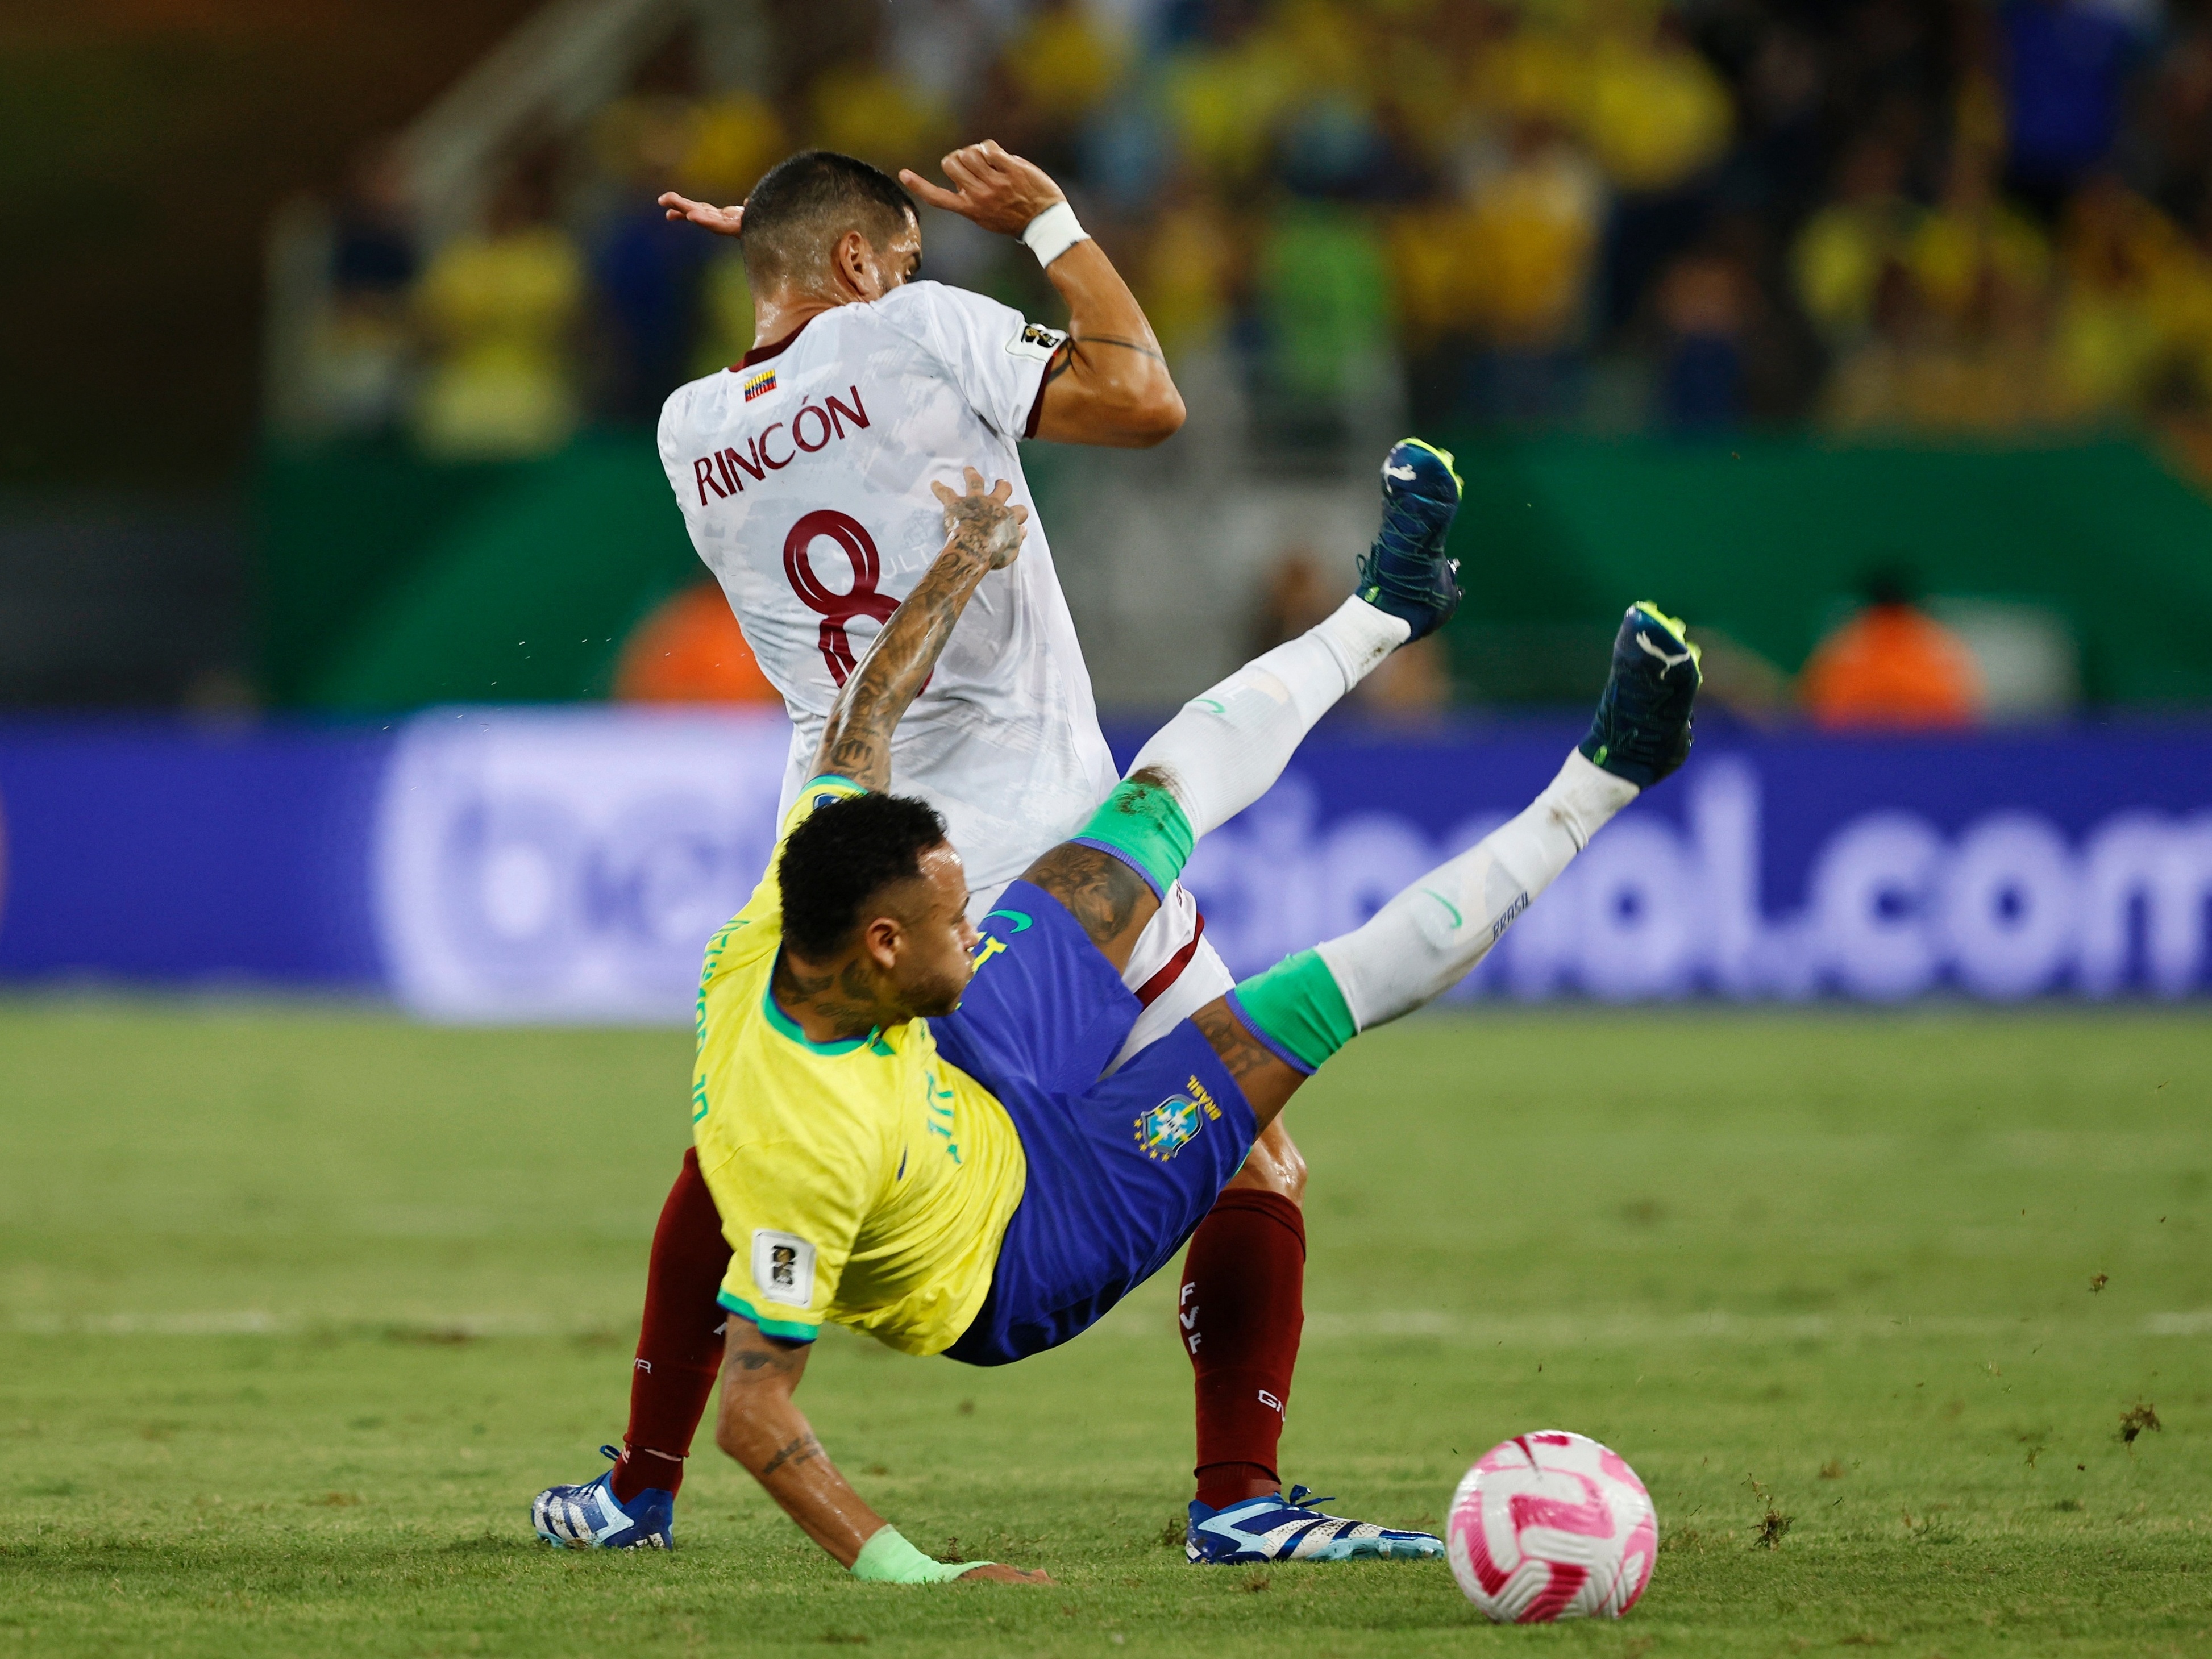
(803, 203)
(841, 857)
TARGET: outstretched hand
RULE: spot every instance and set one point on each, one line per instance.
(998, 1574)
(984, 522)
(995, 187)
(723, 221)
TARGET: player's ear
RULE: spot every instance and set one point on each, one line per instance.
(851, 262)
(881, 939)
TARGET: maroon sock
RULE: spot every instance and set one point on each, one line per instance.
(1243, 1307)
(679, 1350)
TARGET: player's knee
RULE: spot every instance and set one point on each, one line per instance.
(1273, 1165)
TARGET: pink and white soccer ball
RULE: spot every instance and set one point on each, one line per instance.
(1551, 1526)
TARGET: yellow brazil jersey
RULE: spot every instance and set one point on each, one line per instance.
(866, 1182)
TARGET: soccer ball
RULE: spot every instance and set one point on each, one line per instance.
(1551, 1526)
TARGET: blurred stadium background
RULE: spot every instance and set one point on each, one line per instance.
(337, 573)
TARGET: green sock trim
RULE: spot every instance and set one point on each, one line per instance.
(1297, 1005)
(1146, 825)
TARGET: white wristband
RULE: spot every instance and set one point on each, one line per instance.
(1053, 232)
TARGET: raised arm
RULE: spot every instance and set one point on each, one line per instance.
(1109, 384)
(983, 533)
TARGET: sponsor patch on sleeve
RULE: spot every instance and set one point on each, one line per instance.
(783, 1267)
(1036, 342)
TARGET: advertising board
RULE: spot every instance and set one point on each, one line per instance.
(567, 865)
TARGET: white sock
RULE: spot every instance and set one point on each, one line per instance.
(1428, 937)
(1223, 749)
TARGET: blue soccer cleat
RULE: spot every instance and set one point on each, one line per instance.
(591, 1517)
(1407, 571)
(1642, 731)
(1277, 1527)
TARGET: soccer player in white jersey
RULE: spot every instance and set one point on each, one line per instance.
(804, 471)
(806, 478)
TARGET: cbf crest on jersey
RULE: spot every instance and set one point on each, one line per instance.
(1168, 1128)
(1175, 1122)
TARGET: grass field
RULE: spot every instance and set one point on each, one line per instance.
(300, 1307)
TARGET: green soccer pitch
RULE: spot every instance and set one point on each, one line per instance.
(300, 1307)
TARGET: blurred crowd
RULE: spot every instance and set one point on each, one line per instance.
(1601, 215)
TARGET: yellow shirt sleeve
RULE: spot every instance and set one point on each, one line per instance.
(791, 1211)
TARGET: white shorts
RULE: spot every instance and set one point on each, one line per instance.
(1175, 970)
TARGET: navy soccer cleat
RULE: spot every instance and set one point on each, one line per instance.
(1642, 730)
(1407, 571)
(1280, 1528)
(591, 1517)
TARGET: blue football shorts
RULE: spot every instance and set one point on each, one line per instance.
(1120, 1168)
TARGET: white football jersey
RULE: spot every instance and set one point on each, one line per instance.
(804, 474)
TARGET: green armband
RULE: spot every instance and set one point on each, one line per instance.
(888, 1558)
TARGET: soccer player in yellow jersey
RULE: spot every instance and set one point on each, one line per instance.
(905, 1122)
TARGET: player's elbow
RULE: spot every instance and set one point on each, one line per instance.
(1156, 418)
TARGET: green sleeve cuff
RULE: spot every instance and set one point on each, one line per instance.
(1297, 1009)
(785, 1328)
(888, 1558)
(1146, 825)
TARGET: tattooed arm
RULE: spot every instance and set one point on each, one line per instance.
(983, 533)
(757, 1424)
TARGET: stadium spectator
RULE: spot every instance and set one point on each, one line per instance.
(1531, 236)
(944, 48)
(1225, 84)
(2066, 65)
(1064, 63)
(2176, 140)
(1892, 666)
(1846, 246)
(1706, 302)
(1541, 186)
(1655, 116)
(646, 272)
(1184, 281)
(863, 109)
(1324, 306)
(500, 307)
(2135, 312)
(358, 353)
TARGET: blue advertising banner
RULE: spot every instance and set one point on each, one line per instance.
(567, 865)
(161, 851)
(1995, 866)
